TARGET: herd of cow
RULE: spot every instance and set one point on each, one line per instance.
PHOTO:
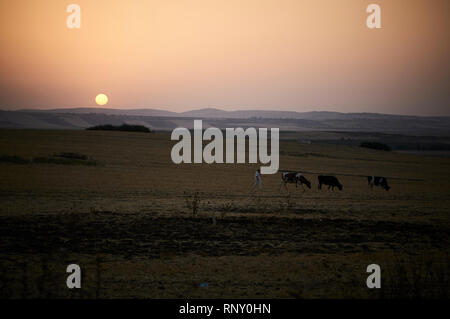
(331, 181)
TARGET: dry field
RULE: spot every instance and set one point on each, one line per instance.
(142, 227)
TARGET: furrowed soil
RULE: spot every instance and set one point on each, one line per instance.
(140, 226)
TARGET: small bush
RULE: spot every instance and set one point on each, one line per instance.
(192, 202)
(71, 155)
(123, 127)
(14, 159)
(59, 158)
(375, 146)
(63, 161)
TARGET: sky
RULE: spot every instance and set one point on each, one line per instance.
(178, 55)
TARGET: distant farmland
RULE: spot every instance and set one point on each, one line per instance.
(81, 118)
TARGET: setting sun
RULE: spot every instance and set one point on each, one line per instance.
(101, 99)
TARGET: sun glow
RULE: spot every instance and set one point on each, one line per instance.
(101, 99)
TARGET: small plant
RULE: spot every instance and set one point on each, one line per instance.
(5, 282)
(375, 146)
(287, 204)
(192, 202)
(227, 207)
(44, 278)
(25, 281)
(288, 201)
(98, 271)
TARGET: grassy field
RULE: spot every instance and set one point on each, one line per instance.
(142, 227)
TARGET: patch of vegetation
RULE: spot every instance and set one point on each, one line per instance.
(14, 159)
(375, 146)
(296, 154)
(71, 155)
(58, 158)
(192, 202)
(123, 127)
(63, 161)
(419, 276)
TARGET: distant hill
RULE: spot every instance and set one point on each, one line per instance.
(84, 110)
(217, 113)
(81, 118)
(213, 113)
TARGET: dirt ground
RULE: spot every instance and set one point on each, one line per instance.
(140, 226)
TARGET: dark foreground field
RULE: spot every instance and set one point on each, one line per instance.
(140, 226)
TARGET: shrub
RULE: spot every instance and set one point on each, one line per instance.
(59, 158)
(192, 202)
(63, 161)
(71, 155)
(13, 159)
(123, 127)
(375, 146)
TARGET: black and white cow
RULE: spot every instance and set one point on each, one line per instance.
(331, 181)
(294, 177)
(378, 181)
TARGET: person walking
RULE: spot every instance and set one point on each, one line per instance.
(258, 179)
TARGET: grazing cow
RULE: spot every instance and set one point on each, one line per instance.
(331, 181)
(294, 177)
(378, 181)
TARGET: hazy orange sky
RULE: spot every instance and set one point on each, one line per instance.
(230, 54)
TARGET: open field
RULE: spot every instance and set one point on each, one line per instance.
(129, 222)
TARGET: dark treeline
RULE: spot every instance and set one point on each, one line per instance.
(375, 146)
(123, 127)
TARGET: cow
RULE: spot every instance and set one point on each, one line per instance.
(378, 181)
(331, 181)
(294, 177)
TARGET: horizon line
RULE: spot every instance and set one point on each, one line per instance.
(209, 108)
